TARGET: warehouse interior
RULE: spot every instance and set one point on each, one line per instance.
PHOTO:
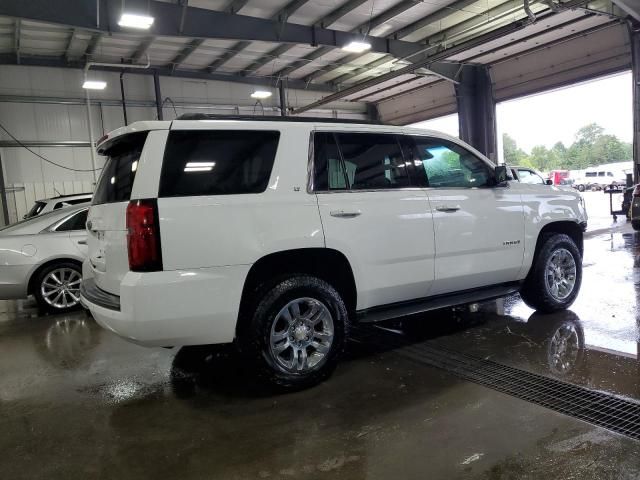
(493, 391)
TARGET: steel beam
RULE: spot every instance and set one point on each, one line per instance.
(631, 7)
(324, 22)
(142, 49)
(235, 6)
(433, 18)
(67, 51)
(477, 110)
(280, 16)
(199, 23)
(634, 37)
(93, 44)
(191, 47)
(9, 59)
(16, 39)
(158, 95)
(363, 29)
(425, 62)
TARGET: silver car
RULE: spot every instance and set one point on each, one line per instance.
(43, 256)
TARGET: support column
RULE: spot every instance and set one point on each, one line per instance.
(156, 86)
(282, 92)
(634, 36)
(477, 110)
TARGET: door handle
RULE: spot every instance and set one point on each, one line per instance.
(344, 213)
(448, 208)
(82, 242)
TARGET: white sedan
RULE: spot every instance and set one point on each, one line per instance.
(43, 256)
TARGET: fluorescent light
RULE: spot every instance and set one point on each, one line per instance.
(131, 20)
(261, 94)
(134, 166)
(113, 180)
(200, 164)
(94, 84)
(357, 47)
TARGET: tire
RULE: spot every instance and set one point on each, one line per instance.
(279, 322)
(581, 188)
(67, 273)
(538, 289)
(635, 224)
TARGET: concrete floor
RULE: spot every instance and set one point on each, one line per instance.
(78, 402)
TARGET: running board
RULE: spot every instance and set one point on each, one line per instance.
(395, 310)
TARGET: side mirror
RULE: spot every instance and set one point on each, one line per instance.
(501, 174)
(548, 181)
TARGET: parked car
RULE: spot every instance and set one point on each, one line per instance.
(529, 175)
(42, 256)
(276, 235)
(50, 204)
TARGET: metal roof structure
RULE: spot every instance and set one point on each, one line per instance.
(414, 43)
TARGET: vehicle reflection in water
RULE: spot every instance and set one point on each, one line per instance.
(68, 341)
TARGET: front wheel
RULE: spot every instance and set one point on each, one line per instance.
(57, 287)
(297, 332)
(554, 280)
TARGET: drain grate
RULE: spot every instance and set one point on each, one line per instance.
(598, 408)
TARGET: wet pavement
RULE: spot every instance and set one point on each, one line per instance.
(78, 402)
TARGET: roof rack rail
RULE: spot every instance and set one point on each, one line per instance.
(269, 118)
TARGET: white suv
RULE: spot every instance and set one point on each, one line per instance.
(276, 235)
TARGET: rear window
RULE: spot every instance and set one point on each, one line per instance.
(120, 168)
(35, 210)
(217, 162)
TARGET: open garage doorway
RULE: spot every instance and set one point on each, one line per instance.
(571, 128)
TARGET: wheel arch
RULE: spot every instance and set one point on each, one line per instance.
(328, 264)
(566, 227)
(52, 261)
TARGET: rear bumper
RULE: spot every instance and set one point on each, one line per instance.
(172, 308)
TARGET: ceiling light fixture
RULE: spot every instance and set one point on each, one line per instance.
(94, 84)
(261, 94)
(131, 20)
(357, 47)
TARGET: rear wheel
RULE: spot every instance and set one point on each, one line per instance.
(581, 188)
(296, 333)
(635, 224)
(57, 287)
(554, 280)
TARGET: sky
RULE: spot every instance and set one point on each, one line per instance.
(557, 115)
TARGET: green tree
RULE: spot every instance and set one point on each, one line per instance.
(512, 154)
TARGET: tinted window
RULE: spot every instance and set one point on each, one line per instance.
(449, 165)
(358, 161)
(601, 174)
(373, 161)
(116, 180)
(329, 174)
(76, 222)
(590, 174)
(35, 210)
(218, 162)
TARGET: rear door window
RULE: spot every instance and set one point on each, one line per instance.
(116, 181)
(217, 162)
(359, 161)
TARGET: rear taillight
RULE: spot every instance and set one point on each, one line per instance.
(636, 191)
(143, 236)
